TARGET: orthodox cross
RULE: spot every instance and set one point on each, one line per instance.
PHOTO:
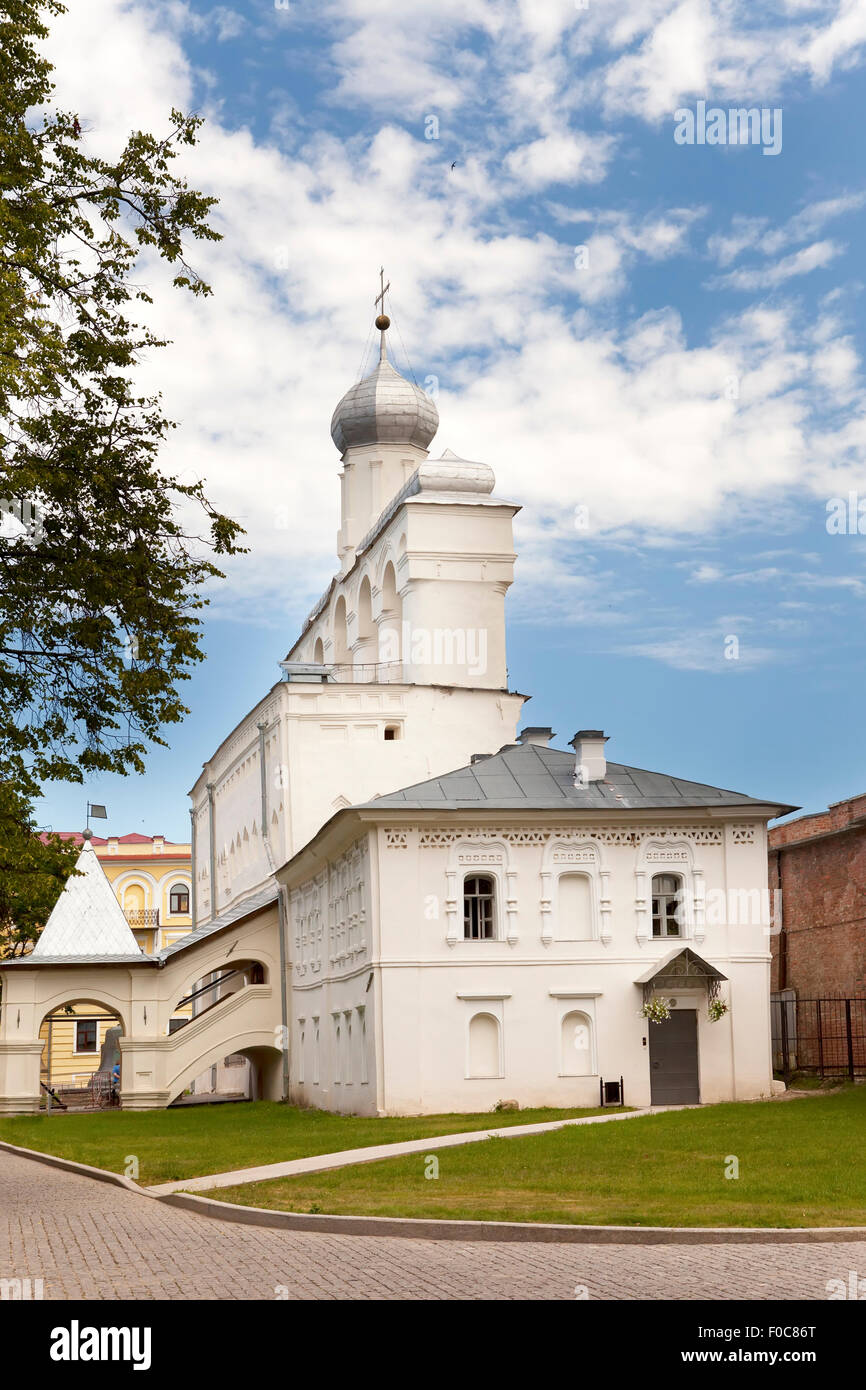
(380, 297)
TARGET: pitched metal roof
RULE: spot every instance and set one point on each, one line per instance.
(137, 959)
(677, 967)
(243, 908)
(525, 777)
(87, 920)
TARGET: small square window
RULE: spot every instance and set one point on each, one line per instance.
(85, 1035)
(178, 903)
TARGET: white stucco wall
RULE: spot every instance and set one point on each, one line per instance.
(424, 983)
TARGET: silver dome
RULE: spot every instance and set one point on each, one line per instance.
(384, 408)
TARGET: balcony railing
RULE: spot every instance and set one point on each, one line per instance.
(143, 917)
(368, 672)
(347, 672)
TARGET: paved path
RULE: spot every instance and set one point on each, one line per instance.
(371, 1153)
(92, 1240)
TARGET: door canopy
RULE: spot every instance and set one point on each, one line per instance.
(682, 969)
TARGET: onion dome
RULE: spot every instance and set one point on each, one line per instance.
(384, 408)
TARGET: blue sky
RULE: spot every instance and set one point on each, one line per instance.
(658, 347)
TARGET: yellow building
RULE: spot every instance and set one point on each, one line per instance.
(152, 881)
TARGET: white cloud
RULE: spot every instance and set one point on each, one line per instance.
(702, 651)
(631, 419)
(840, 43)
(562, 158)
(764, 277)
(756, 233)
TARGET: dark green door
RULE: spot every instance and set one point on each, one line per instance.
(673, 1050)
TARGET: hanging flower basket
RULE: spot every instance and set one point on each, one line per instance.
(656, 1010)
(716, 1009)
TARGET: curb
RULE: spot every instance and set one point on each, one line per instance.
(420, 1228)
(84, 1170)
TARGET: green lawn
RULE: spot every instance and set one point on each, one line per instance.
(191, 1141)
(801, 1163)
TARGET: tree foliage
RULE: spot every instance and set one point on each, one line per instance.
(101, 583)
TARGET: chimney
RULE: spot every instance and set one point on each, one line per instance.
(590, 764)
(535, 735)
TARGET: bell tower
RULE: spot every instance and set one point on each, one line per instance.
(382, 428)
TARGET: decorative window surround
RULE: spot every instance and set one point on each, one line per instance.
(397, 837)
(493, 859)
(679, 858)
(575, 993)
(564, 855)
(480, 998)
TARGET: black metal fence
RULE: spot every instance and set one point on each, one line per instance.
(824, 1036)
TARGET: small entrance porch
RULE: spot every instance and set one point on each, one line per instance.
(684, 981)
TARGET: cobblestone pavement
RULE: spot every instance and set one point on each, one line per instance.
(91, 1240)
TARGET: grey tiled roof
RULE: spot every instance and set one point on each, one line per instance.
(528, 777)
(242, 908)
(87, 921)
(36, 959)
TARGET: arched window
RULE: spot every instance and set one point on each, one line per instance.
(484, 1049)
(576, 1051)
(479, 901)
(365, 645)
(341, 636)
(319, 652)
(178, 900)
(574, 908)
(390, 621)
(667, 902)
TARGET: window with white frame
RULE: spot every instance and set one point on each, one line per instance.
(178, 901)
(86, 1034)
(667, 897)
(479, 907)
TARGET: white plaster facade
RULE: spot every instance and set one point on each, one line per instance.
(404, 985)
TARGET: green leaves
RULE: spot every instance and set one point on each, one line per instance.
(32, 873)
(98, 606)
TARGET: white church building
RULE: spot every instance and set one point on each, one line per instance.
(401, 904)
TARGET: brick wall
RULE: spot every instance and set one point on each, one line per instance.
(822, 860)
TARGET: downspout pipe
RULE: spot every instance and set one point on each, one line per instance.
(212, 837)
(192, 891)
(282, 917)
